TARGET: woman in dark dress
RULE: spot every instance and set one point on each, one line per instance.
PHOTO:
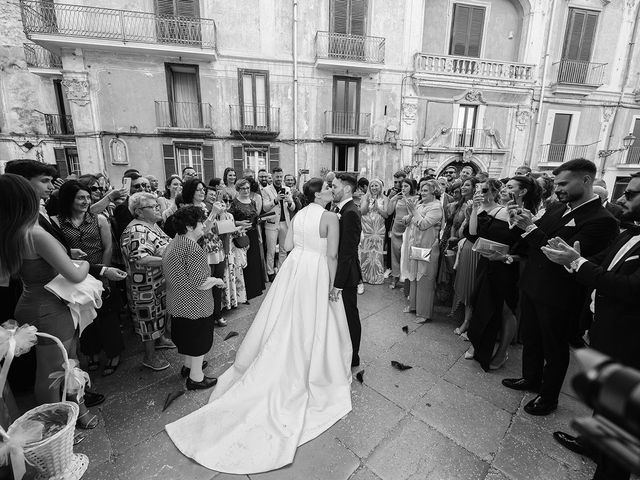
(245, 213)
(496, 293)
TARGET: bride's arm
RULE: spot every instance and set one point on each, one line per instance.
(288, 241)
(333, 238)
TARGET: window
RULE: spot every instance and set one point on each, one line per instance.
(466, 30)
(559, 137)
(346, 105)
(189, 156)
(578, 42)
(345, 157)
(633, 155)
(67, 161)
(348, 16)
(466, 130)
(183, 89)
(620, 186)
(173, 24)
(199, 157)
(255, 156)
(254, 98)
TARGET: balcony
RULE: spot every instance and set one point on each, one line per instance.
(574, 77)
(558, 153)
(462, 140)
(254, 121)
(58, 25)
(346, 125)
(184, 117)
(339, 52)
(41, 61)
(58, 125)
(472, 70)
(632, 157)
(476, 138)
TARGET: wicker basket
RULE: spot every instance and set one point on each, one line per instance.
(53, 457)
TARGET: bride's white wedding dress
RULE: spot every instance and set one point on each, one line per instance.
(291, 379)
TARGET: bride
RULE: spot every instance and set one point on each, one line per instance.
(291, 377)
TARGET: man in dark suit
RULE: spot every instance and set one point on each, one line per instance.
(612, 208)
(348, 273)
(551, 299)
(614, 276)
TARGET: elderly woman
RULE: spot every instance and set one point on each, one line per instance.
(398, 204)
(373, 207)
(143, 244)
(189, 300)
(423, 232)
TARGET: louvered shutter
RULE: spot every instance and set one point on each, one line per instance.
(581, 30)
(358, 17)
(461, 14)
(476, 24)
(187, 8)
(238, 160)
(339, 14)
(165, 7)
(588, 34)
(61, 162)
(168, 155)
(274, 158)
(207, 163)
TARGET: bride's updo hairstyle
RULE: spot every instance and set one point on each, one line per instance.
(312, 187)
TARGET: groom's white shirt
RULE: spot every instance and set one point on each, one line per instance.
(343, 203)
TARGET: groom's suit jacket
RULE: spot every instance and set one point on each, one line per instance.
(348, 273)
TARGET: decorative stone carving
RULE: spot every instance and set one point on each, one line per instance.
(607, 112)
(119, 151)
(522, 119)
(409, 110)
(474, 96)
(467, 154)
(77, 90)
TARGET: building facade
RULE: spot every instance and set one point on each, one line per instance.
(356, 85)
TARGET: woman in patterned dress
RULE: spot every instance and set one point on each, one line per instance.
(143, 244)
(234, 291)
(373, 207)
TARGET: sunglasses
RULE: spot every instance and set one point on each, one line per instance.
(484, 190)
(96, 189)
(630, 194)
(141, 186)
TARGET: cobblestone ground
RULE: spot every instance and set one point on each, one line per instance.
(443, 419)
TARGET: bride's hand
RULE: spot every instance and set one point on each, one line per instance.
(334, 294)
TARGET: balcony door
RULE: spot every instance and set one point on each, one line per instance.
(345, 157)
(559, 137)
(466, 30)
(633, 156)
(183, 88)
(178, 21)
(348, 26)
(346, 105)
(254, 99)
(466, 129)
(61, 123)
(578, 43)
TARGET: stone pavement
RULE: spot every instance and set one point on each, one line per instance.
(443, 419)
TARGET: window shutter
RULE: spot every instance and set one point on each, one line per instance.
(581, 30)
(238, 160)
(461, 14)
(588, 35)
(358, 17)
(165, 7)
(339, 16)
(274, 158)
(187, 8)
(476, 24)
(207, 163)
(168, 154)
(61, 162)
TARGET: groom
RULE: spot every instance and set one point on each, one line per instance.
(348, 273)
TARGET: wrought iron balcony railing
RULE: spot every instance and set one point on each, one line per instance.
(40, 17)
(183, 114)
(477, 68)
(347, 124)
(356, 48)
(575, 72)
(633, 156)
(58, 124)
(39, 57)
(470, 138)
(561, 152)
(254, 119)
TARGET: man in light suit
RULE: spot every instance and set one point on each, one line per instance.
(614, 276)
(276, 198)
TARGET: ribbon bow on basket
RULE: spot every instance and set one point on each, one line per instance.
(12, 447)
(73, 377)
(14, 341)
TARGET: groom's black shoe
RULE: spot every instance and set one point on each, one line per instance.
(572, 443)
(185, 371)
(520, 384)
(206, 382)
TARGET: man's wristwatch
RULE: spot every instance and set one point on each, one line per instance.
(508, 260)
(575, 264)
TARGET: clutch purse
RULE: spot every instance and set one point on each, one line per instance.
(241, 241)
(420, 254)
(484, 245)
(226, 226)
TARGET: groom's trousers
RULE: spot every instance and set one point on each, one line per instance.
(350, 302)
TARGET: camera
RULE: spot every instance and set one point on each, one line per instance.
(613, 391)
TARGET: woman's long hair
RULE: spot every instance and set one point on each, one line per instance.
(225, 174)
(19, 205)
(531, 200)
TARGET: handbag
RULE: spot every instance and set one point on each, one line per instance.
(225, 226)
(421, 254)
(241, 241)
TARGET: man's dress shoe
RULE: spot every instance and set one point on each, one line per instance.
(572, 443)
(206, 382)
(539, 406)
(520, 384)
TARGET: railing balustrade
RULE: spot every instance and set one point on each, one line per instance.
(633, 156)
(347, 123)
(357, 48)
(40, 17)
(469, 138)
(576, 72)
(561, 152)
(471, 67)
(39, 57)
(254, 119)
(183, 114)
(58, 124)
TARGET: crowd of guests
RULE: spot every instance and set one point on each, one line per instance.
(172, 260)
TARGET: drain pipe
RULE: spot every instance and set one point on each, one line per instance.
(295, 87)
(545, 68)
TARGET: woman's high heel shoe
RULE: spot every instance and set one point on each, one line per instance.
(496, 366)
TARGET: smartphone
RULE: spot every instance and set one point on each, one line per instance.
(304, 171)
(478, 188)
(126, 184)
(513, 198)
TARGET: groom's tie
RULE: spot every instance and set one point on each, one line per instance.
(335, 209)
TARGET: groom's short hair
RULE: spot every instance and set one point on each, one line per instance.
(348, 179)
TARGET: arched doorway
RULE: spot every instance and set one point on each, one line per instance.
(460, 161)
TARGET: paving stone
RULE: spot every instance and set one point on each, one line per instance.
(467, 419)
(468, 375)
(494, 474)
(363, 473)
(418, 351)
(416, 451)
(100, 470)
(568, 409)
(158, 458)
(372, 417)
(323, 458)
(96, 444)
(382, 330)
(404, 388)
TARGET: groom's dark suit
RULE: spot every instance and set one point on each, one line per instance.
(348, 274)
